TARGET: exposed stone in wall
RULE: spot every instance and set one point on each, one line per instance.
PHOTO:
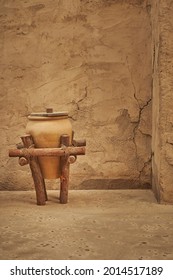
(93, 59)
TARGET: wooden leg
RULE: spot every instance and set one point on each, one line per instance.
(64, 165)
(39, 183)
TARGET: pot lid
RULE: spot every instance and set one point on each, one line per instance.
(49, 113)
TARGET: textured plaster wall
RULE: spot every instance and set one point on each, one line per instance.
(156, 98)
(163, 101)
(93, 59)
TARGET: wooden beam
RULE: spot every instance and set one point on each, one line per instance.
(39, 183)
(64, 165)
(79, 143)
(46, 152)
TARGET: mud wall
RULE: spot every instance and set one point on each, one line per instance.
(156, 97)
(93, 59)
(162, 138)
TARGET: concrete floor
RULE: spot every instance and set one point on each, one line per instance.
(95, 224)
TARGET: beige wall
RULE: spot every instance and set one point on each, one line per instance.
(163, 101)
(156, 99)
(93, 59)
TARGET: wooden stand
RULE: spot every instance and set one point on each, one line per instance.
(29, 155)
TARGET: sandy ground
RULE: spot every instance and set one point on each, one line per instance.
(106, 224)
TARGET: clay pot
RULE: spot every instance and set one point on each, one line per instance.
(46, 130)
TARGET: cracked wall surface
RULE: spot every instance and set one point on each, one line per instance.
(93, 59)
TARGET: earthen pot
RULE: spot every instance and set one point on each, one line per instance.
(46, 130)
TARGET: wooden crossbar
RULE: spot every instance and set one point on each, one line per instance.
(28, 152)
